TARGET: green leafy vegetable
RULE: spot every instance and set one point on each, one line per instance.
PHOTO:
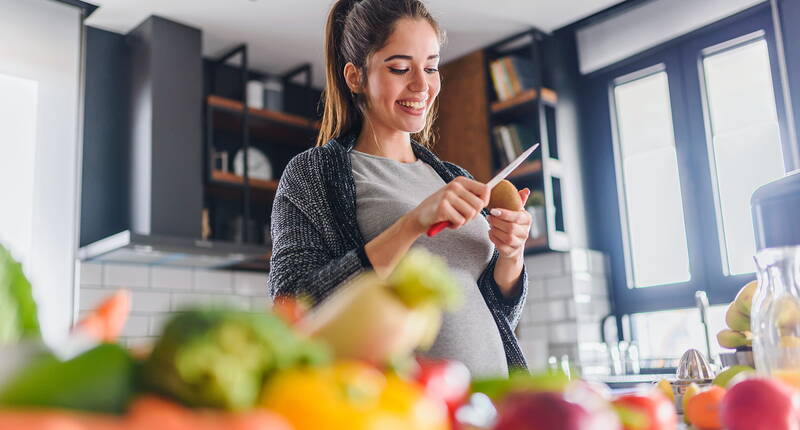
(424, 278)
(18, 317)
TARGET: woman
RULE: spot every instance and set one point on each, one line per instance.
(368, 191)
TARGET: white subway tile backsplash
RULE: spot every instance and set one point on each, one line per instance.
(578, 261)
(89, 298)
(181, 301)
(250, 284)
(136, 326)
(563, 332)
(213, 280)
(91, 273)
(560, 287)
(556, 310)
(536, 289)
(171, 278)
(125, 275)
(145, 301)
(260, 304)
(545, 265)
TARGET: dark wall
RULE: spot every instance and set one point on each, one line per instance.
(106, 136)
(790, 15)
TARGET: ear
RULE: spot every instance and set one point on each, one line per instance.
(353, 77)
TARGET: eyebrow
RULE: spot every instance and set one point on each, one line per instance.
(408, 57)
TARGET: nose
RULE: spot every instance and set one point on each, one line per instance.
(419, 82)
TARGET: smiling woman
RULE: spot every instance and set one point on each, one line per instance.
(371, 188)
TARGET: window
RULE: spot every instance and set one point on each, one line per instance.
(681, 136)
(650, 195)
(744, 141)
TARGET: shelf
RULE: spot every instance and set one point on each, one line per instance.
(263, 124)
(229, 185)
(523, 98)
(526, 169)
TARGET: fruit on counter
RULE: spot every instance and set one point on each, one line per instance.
(724, 378)
(541, 411)
(760, 404)
(505, 196)
(646, 411)
(703, 409)
(98, 380)
(728, 338)
(744, 298)
(444, 380)
(351, 395)
(665, 387)
(219, 358)
(18, 317)
(690, 392)
(380, 320)
(106, 321)
(520, 380)
(735, 319)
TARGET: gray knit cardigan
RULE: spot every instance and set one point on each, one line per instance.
(317, 244)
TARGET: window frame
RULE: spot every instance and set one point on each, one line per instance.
(682, 59)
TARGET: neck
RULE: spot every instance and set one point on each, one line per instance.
(385, 142)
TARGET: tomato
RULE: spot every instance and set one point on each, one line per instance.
(651, 411)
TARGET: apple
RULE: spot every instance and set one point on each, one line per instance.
(445, 380)
(760, 404)
(541, 411)
(646, 411)
(595, 397)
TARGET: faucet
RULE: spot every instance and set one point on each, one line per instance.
(701, 299)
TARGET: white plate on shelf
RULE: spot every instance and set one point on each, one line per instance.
(258, 165)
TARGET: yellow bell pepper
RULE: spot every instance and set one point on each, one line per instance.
(354, 396)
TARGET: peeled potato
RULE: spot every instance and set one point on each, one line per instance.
(505, 196)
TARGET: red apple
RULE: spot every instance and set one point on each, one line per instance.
(760, 404)
(541, 411)
(646, 411)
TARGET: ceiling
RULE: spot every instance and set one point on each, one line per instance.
(282, 34)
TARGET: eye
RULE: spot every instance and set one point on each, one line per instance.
(431, 70)
(398, 71)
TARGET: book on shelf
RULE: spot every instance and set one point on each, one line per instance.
(511, 140)
(511, 75)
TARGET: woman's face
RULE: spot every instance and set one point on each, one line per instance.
(403, 77)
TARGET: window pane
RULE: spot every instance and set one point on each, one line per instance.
(745, 139)
(668, 334)
(656, 236)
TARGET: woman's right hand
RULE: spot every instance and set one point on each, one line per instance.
(457, 202)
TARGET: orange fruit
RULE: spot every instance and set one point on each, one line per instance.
(703, 408)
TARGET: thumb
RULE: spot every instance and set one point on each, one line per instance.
(523, 194)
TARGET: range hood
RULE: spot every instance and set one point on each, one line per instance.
(128, 247)
(142, 189)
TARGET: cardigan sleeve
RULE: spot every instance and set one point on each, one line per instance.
(511, 306)
(301, 264)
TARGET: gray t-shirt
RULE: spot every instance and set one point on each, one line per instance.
(387, 189)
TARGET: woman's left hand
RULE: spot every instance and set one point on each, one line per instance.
(510, 229)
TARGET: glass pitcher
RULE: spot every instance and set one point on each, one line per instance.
(775, 314)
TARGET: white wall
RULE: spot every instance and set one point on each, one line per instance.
(643, 27)
(40, 56)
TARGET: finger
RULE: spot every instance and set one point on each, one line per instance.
(473, 200)
(467, 210)
(477, 188)
(453, 215)
(502, 247)
(523, 194)
(499, 224)
(507, 215)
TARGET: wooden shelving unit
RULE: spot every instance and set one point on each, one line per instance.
(527, 169)
(527, 96)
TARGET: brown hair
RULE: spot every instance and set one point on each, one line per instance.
(355, 30)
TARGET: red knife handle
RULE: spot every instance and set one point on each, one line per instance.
(439, 226)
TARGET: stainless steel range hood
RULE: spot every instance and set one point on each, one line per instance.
(142, 196)
(128, 247)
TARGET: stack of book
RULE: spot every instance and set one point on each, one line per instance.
(511, 140)
(512, 75)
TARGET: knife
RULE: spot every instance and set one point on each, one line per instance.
(441, 225)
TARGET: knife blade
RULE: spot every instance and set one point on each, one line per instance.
(441, 225)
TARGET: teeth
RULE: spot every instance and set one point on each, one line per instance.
(414, 105)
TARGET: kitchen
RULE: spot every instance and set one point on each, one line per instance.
(129, 162)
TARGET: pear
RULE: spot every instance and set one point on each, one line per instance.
(744, 298)
(734, 339)
(735, 319)
(724, 378)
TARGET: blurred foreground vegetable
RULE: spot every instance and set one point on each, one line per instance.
(352, 396)
(380, 320)
(221, 358)
(18, 318)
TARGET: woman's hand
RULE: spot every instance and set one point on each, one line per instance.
(458, 202)
(510, 229)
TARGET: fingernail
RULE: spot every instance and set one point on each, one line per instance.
(495, 212)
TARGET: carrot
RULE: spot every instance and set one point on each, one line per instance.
(151, 412)
(107, 320)
(56, 420)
